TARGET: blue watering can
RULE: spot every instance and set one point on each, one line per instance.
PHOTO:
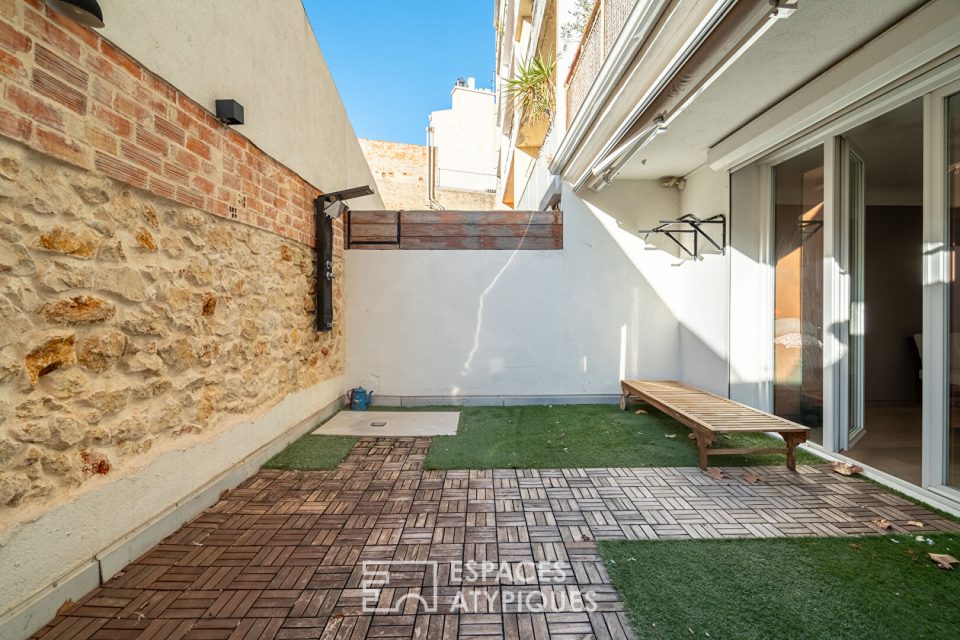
(360, 398)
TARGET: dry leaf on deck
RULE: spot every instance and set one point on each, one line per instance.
(640, 411)
(883, 523)
(845, 468)
(671, 436)
(914, 523)
(751, 478)
(66, 606)
(943, 560)
(717, 474)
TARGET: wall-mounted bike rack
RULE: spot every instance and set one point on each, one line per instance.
(691, 224)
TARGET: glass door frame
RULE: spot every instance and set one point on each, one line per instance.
(934, 87)
(936, 289)
(849, 271)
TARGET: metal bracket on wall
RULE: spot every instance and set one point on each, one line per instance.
(691, 224)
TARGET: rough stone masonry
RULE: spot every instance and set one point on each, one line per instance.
(130, 324)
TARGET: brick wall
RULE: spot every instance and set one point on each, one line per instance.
(401, 172)
(71, 94)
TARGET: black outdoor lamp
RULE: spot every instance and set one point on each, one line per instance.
(329, 207)
(229, 112)
(86, 12)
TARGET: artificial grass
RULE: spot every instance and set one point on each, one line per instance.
(806, 588)
(565, 436)
(312, 453)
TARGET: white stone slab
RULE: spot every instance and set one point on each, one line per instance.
(398, 423)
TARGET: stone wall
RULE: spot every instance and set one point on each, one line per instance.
(401, 172)
(156, 267)
(130, 324)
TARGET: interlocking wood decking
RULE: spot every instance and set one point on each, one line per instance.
(281, 556)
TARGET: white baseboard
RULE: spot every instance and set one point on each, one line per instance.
(490, 401)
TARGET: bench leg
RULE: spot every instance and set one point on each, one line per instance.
(703, 443)
(792, 442)
(624, 399)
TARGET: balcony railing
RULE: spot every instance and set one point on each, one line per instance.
(601, 31)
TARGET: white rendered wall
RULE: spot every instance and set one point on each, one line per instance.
(466, 140)
(705, 313)
(487, 323)
(750, 290)
(265, 56)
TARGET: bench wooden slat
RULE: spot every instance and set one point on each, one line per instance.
(709, 415)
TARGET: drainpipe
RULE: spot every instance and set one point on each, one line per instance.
(432, 172)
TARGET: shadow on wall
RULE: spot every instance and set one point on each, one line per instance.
(701, 300)
(465, 323)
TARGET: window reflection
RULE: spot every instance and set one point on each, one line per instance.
(798, 298)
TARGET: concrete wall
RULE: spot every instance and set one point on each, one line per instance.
(262, 54)
(495, 323)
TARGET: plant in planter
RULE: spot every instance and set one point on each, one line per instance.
(532, 89)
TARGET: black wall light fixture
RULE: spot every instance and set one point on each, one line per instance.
(86, 12)
(327, 208)
(229, 112)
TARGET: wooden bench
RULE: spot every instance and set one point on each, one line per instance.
(709, 415)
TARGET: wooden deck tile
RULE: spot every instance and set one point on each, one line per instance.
(282, 555)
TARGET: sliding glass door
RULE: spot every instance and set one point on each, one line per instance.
(798, 290)
(952, 184)
(864, 245)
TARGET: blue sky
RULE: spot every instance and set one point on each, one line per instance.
(395, 61)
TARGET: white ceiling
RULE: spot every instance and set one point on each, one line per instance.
(793, 51)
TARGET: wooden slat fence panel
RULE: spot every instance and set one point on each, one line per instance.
(455, 230)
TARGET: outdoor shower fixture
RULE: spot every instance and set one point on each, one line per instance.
(327, 208)
(86, 12)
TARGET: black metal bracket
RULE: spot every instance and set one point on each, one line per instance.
(691, 224)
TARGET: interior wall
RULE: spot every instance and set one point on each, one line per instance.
(894, 301)
(490, 323)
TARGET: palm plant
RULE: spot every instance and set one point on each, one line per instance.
(532, 89)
